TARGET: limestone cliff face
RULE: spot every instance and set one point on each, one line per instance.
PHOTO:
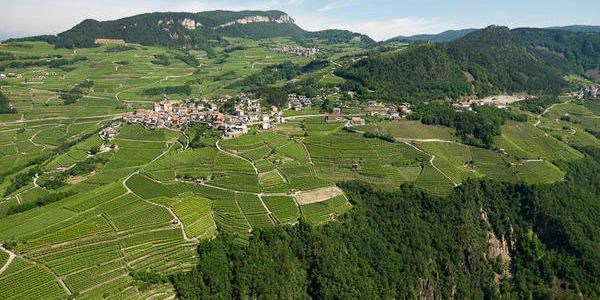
(258, 19)
(190, 24)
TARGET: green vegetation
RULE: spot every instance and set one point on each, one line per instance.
(476, 127)
(284, 208)
(416, 229)
(494, 58)
(526, 141)
(155, 212)
(5, 107)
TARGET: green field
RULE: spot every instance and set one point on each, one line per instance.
(284, 208)
(344, 156)
(528, 142)
(411, 129)
(326, 210)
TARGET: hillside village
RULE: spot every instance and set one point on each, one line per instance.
(302, 51)
(244, 113)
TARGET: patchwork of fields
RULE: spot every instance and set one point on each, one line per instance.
(81, 215)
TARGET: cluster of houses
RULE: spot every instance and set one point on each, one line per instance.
(593, 91)
(41, 76)
(11, 75)
(244, 113)
(110, 131)
(389, 111)
(335, 116)
(296, 50)
(299, 102)
(467, 105)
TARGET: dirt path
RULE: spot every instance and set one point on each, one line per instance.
(11, 256)
(34, 143)
(103, 283)
(187, 137)
(539, 117)
(431, 162)
(185, 237)
(35, 178)
(269, 212)
(180, 224)
(60, 281)
(60, 118)
(242, 211)
(235, 155)
(307, 154)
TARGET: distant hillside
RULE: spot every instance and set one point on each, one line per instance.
(446, 36)
(580, 49)
(577, 28)
(484, 62)
(187, 30)
(5, 36)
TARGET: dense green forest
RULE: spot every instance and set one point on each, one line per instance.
(580, 49)
(484, 62)
(409, 244)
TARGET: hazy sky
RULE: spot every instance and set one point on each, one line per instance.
(380, 19)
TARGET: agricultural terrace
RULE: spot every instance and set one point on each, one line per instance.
(346, 156)
(460, 162)
(80, 213)
(525, 141)
(571, 123)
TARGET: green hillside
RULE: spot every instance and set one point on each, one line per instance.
(212, 157)
(485, 62)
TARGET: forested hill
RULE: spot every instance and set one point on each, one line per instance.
(190, 30)
(452, 35)
(484, 62)
(580, 49)
(443, 37)
(577, 28)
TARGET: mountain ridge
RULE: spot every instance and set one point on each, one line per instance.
(455, 34)
(189, 30)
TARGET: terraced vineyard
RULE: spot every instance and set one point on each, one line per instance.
(344, 156)
(528, 142)
(81, 216)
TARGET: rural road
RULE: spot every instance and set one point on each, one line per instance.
(537, 123)
(61, 118)
(235, 155)
(408, 140)
(319, 115)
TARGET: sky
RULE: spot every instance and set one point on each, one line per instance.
(379, 19)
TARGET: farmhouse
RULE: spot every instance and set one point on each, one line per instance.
(355, 121)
